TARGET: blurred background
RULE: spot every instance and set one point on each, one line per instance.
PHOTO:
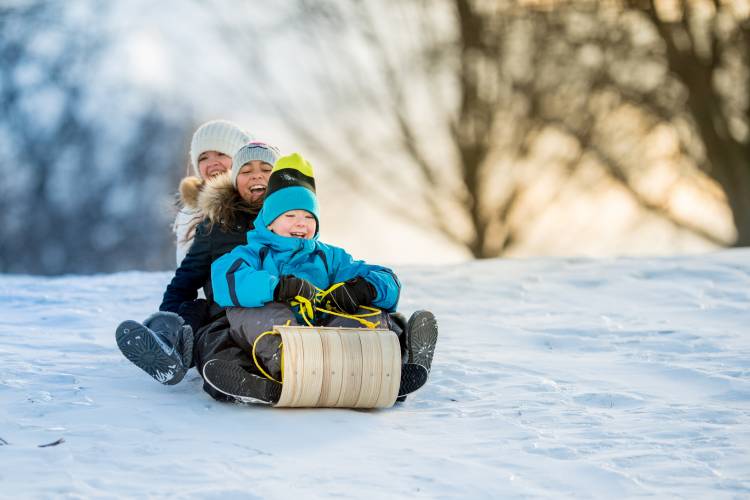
(440, 130)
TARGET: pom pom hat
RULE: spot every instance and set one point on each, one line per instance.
(216, 135)
(290, 187)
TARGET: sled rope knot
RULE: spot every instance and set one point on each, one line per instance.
(307, 308)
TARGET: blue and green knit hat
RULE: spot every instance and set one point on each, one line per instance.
(290, 187)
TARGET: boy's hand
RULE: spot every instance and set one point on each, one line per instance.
(352, 294)
(290, 286)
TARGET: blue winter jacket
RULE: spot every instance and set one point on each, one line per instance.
(248, 275)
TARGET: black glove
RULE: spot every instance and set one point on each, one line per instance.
(290, 286)
(195, 313)
(352, 294)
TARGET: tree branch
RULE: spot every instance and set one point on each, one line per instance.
(618, 173)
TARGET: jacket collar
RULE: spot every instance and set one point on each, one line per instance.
(281, 244)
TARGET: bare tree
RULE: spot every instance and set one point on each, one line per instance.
(684, 68)
(465, 93)
(706, 46)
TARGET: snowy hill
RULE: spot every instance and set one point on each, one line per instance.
(553, 378)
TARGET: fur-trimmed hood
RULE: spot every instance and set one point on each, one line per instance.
(219, 200)
(190, 188)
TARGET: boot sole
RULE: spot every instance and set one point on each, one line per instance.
(422, 337)
(140, 347)
(231, 380)
(413, 377)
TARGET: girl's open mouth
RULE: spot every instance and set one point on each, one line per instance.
(258, 189)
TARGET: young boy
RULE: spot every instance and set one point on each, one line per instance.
(283, 263)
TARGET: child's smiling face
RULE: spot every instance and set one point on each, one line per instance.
(295, 224)
(252, 180)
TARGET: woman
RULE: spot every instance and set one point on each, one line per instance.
(211, 150)
(163, 345)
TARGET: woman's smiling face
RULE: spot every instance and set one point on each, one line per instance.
(213, 163)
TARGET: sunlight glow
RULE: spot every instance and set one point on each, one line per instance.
(148, 61)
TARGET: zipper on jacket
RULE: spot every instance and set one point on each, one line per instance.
(299, 248)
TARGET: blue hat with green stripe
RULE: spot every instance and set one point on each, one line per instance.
(290, 187)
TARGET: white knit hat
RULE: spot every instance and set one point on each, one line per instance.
(254, 150)
(216, 135)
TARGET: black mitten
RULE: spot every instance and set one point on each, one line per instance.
(195, 313)
(290, 286)
(352, 294)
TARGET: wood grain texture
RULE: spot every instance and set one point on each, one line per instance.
(339, 367)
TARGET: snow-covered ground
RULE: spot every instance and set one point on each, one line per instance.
(553, 378)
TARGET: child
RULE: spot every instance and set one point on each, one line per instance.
(284, 263)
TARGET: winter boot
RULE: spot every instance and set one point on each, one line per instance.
(233, 380)
(421, 337)
(163, 354)
(413, 377)
(174, 331)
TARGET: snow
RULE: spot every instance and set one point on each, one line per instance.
(578, 378)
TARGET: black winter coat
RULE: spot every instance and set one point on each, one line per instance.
(210, 243)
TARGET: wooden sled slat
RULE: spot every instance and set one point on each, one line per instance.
(333, 374)
(391, 374)
(372, 367)
(351, 365)
(339, 367)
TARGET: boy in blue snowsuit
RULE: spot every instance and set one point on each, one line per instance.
(284, 263)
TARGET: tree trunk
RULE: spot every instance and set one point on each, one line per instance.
(728, 159)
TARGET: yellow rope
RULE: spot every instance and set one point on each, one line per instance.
(255, 358)
(321, 295)
(307, 310)
(357, 317)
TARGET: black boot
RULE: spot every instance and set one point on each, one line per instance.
(413, 377)
(161, 355)
(173, 329)
(421, 337)
(233, 380)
